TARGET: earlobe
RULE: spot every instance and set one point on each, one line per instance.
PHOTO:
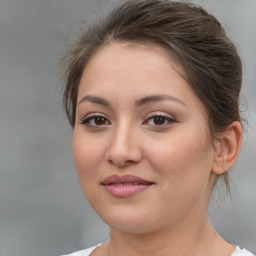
(227, 148)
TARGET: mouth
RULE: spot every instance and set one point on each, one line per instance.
(125, 186)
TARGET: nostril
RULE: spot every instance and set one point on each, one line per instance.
(118, 163)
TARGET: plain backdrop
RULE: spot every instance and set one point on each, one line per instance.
(42, 209)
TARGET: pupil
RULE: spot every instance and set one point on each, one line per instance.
(159, 120)
(100, 120)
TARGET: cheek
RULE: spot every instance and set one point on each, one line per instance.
(185, 159)
(184, 169)
(88, 157)
(83, 150)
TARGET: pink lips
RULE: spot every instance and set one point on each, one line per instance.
(125, 186)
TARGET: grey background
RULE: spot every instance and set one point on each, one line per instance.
(42, 210)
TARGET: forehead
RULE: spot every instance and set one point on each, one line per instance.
(125, 53)
(131, 63)
(125, 73)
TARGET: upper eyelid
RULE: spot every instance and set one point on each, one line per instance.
(159, 113)
(93, 114)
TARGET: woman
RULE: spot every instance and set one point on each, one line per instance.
(152, 92)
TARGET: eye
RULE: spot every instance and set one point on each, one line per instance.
(159, 120)
(95, 121)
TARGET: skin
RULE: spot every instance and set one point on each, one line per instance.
(176, 154)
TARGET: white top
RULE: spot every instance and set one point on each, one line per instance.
(86, 252)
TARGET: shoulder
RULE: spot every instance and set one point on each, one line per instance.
(85, 252)
(241, 252)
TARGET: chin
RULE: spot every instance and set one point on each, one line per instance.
(134, 222)
(130, 221)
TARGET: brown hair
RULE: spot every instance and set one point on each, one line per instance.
(192, 37)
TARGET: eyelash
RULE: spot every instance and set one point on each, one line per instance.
(86, 121)
(167, 119)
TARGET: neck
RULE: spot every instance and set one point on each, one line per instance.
(191, 239)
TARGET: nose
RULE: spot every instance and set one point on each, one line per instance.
(124, 148)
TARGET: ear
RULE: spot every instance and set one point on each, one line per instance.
(227, 148)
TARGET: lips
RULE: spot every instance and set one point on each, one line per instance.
(125, 186)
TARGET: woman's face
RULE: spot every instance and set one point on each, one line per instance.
(141, 140)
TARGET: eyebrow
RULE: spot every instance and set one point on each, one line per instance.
(94, 99)
(140, 102)
(156, 98)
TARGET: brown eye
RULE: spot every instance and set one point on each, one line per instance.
(94, 121)
(99, 120)
(159, 120)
